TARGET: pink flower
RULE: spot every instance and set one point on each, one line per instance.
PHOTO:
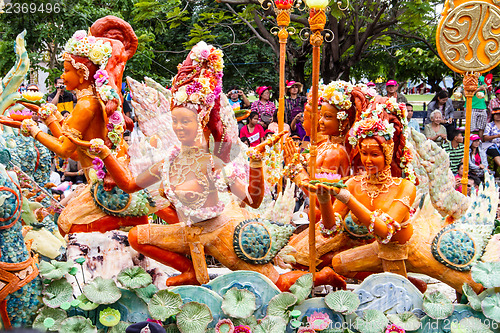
(98, 163)
(116, 118)
(319, 321)
(393, 328)
(79, 35)
(101, 174)
(155, 321)
(242, 329)
(306, 330)
(110, 127)
(204, 54)
(101, 76)
(194, 88)
(226, 325)
(91, 39)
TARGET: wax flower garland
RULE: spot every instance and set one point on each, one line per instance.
(201, 94)
(370, 127)
(338, 94)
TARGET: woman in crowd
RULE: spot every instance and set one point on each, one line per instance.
(435, 130)
(294, 102)
(253, 130)
(478, 160)
(442, 103)
(263, 106)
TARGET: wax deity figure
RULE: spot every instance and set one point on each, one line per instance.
(93, 68)
(191, 177)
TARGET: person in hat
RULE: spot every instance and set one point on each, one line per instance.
(294, 102)
(494, 103)
(492, 137)
(392, 91)
(145, 327)
(237, 99)
(263, 106)
(478, 161)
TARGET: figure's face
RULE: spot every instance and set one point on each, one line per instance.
(442, 101)
(409, 110)
(372, 156)
(328, 122)
(255, 120)
(391, 89)
(265, 95)
(307, 119)
(438, 119)
(70, 77)
(185, 125)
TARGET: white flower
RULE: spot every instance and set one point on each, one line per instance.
(181, 95)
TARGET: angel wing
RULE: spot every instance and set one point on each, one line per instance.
(11, 82)
(151, 103)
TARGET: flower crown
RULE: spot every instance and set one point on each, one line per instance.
(99, 52)
(337, 93)
(369, 127)
(203, 85)
(390, 106)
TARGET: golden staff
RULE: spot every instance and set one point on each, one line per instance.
(317, 21)
(464, 40)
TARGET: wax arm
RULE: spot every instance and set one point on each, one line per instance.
(124, 178)
(398, 211)
(253, 193)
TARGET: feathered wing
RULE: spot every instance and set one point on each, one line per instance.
(479, 220)
(151, 104)
(441, 182)
(12, 81)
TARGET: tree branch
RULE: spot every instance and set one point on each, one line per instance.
(423, 40)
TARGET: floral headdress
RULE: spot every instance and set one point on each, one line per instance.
(370, 127)
(198, 84)
(338, 94)
(390, 105)
(98, 51)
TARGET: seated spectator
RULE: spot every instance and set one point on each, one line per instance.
(412, 122)
(237, 99)
(478, 161)
(65, 114)
(435, 131)
(441, 102)
(253, 130)
(245, 141)
(74, 172)
(273, 127)
(263, 106)
(267, 134)
(455, 150)
(296, 126)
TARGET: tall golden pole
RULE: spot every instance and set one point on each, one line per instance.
(470, 86)
(317, 21)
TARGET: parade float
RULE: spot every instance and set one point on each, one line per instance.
(117, 266)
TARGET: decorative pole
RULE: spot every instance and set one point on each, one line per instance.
(464, 37)
(317, 21)
(282, 8)
(470, 87)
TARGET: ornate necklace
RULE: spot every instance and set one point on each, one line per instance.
(80, 93)
(373, 186)
(337, 139)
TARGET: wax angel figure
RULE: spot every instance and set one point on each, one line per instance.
(192, 174)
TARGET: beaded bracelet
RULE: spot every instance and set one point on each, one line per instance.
(326, 232)
(392, 225)
(255, 155)
(47, 110)
(27, 125)
(292, 170)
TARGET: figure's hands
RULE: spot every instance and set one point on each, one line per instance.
(94, 146)
(4, 120)
(32, 107)
(289, 149)
(324, 192)
(269, 142)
